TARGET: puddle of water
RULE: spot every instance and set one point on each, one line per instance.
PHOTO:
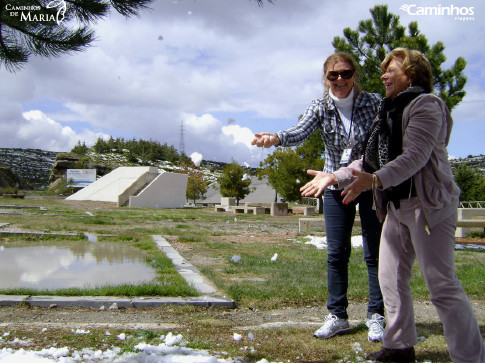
(78, 264)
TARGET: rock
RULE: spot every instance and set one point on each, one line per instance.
(113, 306)
(8, 178)
(66, 161)
(33, 166)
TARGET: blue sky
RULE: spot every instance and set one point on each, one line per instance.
(226, 68)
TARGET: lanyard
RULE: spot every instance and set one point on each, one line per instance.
(350, 126)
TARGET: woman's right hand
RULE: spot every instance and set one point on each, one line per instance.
(320, 182)
(266, 139)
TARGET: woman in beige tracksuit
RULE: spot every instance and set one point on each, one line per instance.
(406, 164)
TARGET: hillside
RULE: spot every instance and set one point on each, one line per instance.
(477, 162)
(34, 166)
(31, 165)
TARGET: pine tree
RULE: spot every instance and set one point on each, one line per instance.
(376, 37)
(80, 149)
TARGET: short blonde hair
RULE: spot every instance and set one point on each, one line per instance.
(415, 65)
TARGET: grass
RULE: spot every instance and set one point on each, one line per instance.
(146, 289)
(209, 240)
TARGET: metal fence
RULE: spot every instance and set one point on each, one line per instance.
(309, 201)
(466, 204)
(479, 204)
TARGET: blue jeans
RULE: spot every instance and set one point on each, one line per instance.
(339, 219)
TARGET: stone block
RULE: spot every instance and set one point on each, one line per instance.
(229, 201)
(279, 209)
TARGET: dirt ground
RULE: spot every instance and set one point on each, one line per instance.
(167, 317)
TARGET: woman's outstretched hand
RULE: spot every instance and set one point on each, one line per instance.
(320, 182)
(362, 182)
(265, 139)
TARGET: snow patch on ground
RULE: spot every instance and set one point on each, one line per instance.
(321, 242)
(171, 350)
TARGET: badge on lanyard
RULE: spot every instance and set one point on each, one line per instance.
(346, 155)
(345, 158)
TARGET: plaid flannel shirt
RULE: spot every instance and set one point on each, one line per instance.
(323, 115)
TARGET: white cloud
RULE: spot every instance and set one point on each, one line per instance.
(206, 125)
(36, 130)
(258, 67)
(206, 135)
(240, 135)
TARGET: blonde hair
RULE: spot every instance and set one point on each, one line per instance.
(415, 65)
(340, 57)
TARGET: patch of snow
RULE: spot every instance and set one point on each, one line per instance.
(321, 242)
(171, 350)
(80, 331)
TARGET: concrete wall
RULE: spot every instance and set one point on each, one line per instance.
(137, 184)
(119, 181)
(166, 191)
(467, 213)
(262, 193)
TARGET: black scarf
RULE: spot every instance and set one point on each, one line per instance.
(384, 142)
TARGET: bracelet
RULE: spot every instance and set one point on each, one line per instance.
(374, 181)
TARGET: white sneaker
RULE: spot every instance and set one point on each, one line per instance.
(376, 326)
(332, 326)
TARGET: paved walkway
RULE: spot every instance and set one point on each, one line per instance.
(113, 302)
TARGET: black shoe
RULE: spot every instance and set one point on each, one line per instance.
(405, 355)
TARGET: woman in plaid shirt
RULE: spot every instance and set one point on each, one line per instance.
(343, 116)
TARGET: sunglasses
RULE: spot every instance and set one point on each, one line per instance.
(333, 75)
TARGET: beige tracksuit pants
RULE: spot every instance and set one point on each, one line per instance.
(403, 240)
